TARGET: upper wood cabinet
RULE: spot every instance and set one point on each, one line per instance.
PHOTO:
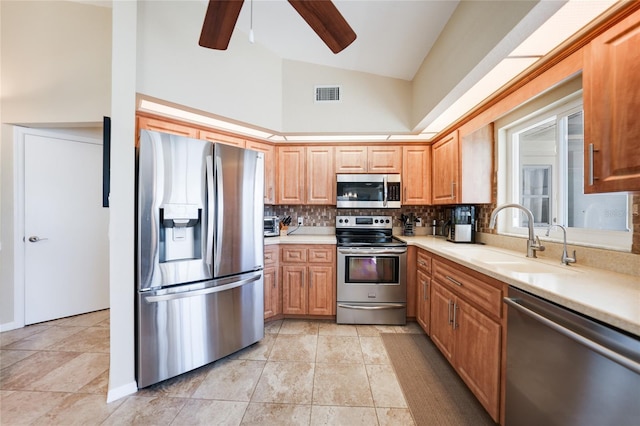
(164, 126)
(416, 175)
(446, 170)
(321, 187)
(291, 169)
(368, 159)
(220, 138)
(269, 169)
(611, 83)
(462, 167)
(306, 175)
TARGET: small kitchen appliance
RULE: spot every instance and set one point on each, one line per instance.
(462, 224)
(368, 191)
(271, 226)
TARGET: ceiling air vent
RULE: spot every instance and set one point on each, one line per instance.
(328, 93)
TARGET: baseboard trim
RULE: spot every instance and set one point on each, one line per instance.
(121, 391)
(13, 325)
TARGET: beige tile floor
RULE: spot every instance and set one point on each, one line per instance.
(301, 373)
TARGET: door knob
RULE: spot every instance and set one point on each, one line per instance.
(35, 239)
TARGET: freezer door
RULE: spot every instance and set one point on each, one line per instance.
(185, 327)
(239, 210)
(172, 216)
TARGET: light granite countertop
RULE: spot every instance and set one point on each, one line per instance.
(300, 239)
(607, 296)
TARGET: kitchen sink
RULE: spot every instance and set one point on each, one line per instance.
(508, 262)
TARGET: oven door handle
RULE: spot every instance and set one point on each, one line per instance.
(374, 307)
(366, 251)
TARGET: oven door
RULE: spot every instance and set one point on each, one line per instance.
(372, 274)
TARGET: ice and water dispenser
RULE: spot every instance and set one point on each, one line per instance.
(180, 232)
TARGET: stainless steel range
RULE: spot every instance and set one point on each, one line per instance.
(372, 263)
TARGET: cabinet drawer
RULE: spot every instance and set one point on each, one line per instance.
(324, 254)
(293, 255)
(424, 262)
(479, 293)
(270, 255)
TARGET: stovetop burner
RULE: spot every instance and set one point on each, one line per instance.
(366, 231)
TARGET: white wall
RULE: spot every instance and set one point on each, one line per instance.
(55, 70)
(242, 83)
(473, 42)
(121, 201)
(370, 103)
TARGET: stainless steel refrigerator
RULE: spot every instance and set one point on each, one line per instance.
(199, 240)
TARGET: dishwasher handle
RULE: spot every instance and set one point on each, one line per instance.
(576, 337)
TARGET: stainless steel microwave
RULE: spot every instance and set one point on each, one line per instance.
(370, 191)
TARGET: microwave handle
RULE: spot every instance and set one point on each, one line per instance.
(384, 183)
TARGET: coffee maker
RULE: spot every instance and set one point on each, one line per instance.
(462, 224)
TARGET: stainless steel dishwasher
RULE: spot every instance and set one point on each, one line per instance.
(566, 369)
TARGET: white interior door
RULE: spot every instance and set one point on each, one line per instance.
(66, 240)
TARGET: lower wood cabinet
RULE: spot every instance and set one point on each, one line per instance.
(467, 325)
(308, 279)
(272, 288)
(423, 288)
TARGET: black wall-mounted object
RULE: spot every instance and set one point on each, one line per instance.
(106, 160)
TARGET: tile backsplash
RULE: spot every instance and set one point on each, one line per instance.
(325, 216)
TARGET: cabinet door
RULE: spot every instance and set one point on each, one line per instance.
(321, 180)
(611, 82)
(272, 298)
(416, 175)
(445, 170)
(269, 169)
(424, 302)
(477, 358)
(220, 138)
(383, 159)
(351, 159)
(291, 182)
(476, 166)
(322, 299)
(166, 127)
(442, 305)
(294, 291)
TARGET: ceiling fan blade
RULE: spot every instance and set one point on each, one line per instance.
(325, 19)
(219, 22)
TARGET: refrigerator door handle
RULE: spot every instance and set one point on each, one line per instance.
(219, 215)
(210, 212)
(201, 292)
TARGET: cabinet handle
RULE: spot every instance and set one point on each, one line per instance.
(592, 150)
(453, 191)
(425, 288)
(449, 320)
(455, 316)
(422, 262)
(456, 282)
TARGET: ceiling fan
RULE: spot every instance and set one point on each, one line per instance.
(321, 15)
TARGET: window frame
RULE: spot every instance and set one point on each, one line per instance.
(510, 181)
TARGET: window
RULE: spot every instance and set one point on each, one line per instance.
(542, 169)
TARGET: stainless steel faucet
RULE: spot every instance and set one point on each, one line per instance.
(533, 243)
(565, 256)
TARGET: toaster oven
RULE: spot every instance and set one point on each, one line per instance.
(271, 226)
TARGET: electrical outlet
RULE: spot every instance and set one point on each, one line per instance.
(299, 221)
